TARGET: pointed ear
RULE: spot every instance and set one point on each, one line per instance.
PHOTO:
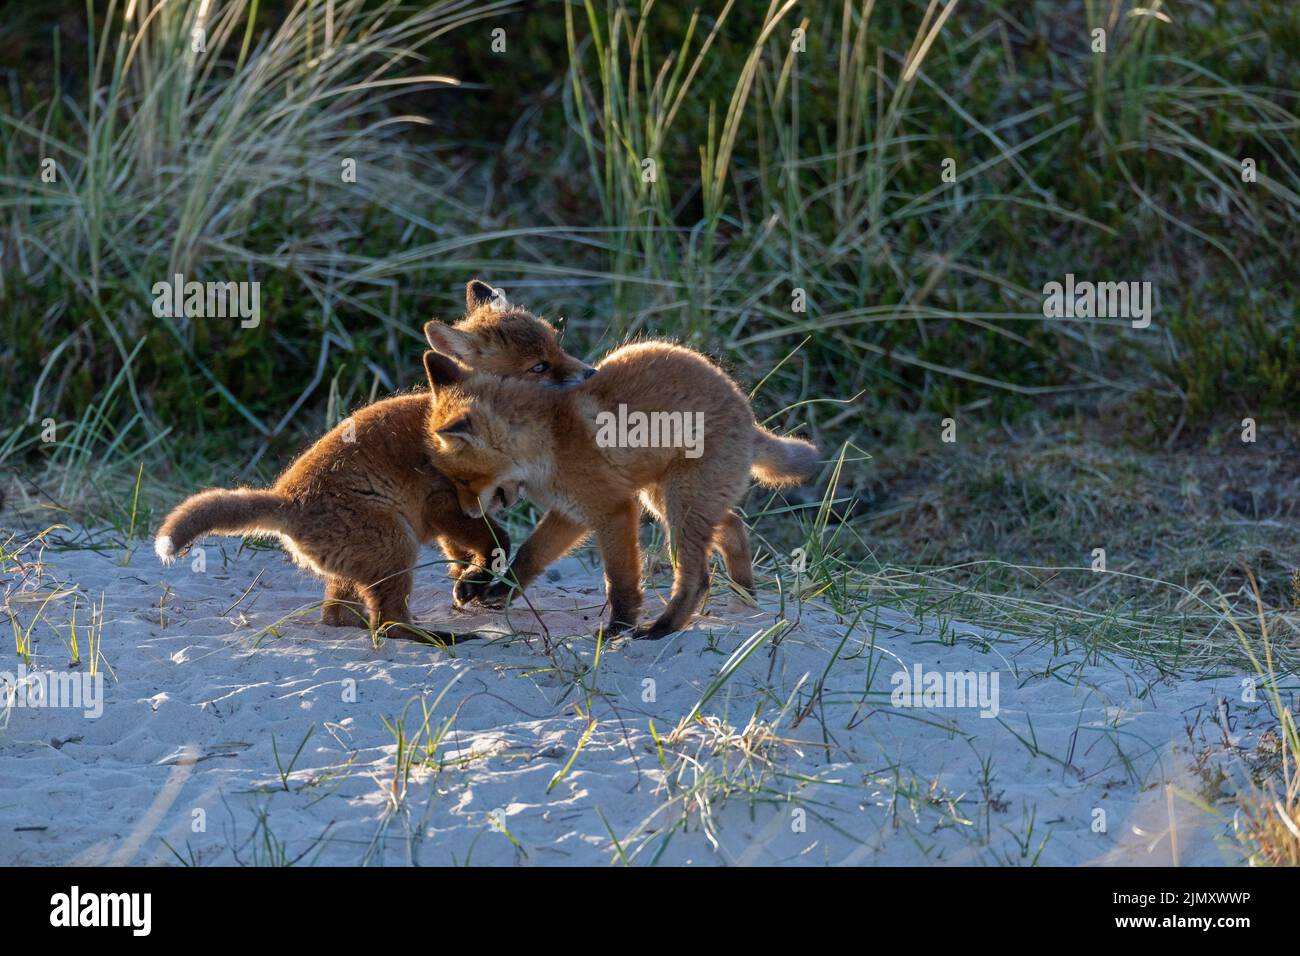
(441, 370)
(478, 294)
(443, 338)
(461, 428)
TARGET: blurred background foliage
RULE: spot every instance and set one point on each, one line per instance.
(779, 167)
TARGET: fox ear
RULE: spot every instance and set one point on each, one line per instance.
(461, 426)
(477, 294)
(443, 338)
(441, 370)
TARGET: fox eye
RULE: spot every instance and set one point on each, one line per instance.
(540, 367)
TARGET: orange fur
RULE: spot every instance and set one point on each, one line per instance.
(497, 441)
(355, 507)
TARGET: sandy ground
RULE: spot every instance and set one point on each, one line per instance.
(542, 755)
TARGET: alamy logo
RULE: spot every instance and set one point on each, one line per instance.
(943, 689)
(639, 429)
(36, 689)
(102, 909)
(208, 300)
(1099, 300)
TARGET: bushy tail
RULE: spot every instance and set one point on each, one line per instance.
(781, 462)
(219, 512)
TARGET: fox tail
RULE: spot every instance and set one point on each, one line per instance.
(220, 511)
(782, 462)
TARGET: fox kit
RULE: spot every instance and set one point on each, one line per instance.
(498, 440)
(355, 507)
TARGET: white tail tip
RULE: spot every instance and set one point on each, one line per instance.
(163, 548)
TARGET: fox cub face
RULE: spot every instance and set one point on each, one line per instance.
(471, 444)
(505, 340)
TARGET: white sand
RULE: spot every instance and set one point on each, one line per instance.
(192, 709)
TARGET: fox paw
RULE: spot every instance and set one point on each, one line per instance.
(650, 632)
(343, 617)
(495, 595)
(469, 587)
(618, 628)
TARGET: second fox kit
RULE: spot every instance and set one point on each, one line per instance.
(357, 505)
(498, 440)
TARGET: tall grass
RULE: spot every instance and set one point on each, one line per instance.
(818, 178)
(1267, 821)
(206, 149)
(797, 155)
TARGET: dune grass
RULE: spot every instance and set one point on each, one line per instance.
(694, 174)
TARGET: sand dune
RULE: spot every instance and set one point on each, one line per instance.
(534, 753)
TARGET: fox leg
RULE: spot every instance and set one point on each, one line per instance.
(475, 542)
(621, 554)
(377, 554)
(732, 541)
(480, 539)
(388, 598)
(690, 539)
(554, 536)
(466, 577)
(458, 558)
(341, 607)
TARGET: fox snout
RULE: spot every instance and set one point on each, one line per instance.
(492, 499)
(572, 379)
